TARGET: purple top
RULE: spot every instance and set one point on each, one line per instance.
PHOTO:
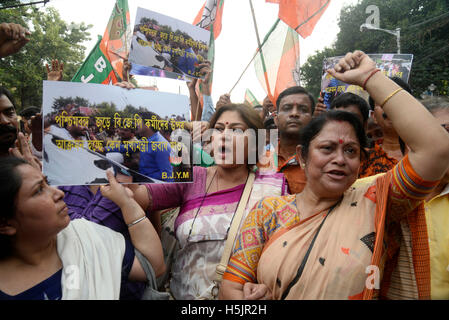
(82, 203)
(172, 195)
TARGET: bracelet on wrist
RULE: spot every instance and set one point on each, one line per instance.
(369, 77)
(391, 96)
(136, 221)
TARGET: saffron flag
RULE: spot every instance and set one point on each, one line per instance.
(96, 68)
(104, 64)
(117, 35)
(276, 64)
(209, 17)
(250, 99)
(302, 15)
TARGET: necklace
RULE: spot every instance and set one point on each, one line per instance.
(202, 201)
(201, 204)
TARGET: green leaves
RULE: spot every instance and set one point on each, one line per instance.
(424, 34)
(51, 38)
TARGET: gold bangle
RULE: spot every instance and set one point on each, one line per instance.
(390, 96)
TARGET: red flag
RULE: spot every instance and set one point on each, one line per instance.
(302, 15)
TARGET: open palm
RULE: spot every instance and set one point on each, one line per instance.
(56, 71)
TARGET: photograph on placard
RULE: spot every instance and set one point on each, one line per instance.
(392, 65)
(162, 46)
(91, 128)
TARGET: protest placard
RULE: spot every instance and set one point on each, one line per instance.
(392, 65)
(166, 47)
(91, 128)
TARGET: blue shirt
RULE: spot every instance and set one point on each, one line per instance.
(187, 64)
(156, 163)
(208, 108)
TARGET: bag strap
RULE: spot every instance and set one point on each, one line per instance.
(303, 263)
(151, 291)
(234, 228)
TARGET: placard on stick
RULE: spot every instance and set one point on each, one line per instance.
(392, 65)
(166, 47)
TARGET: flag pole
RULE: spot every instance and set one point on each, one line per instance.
(260, 50)
(246, 68)
(255, 54)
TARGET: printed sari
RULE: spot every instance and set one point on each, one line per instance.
(349, 255)
(202, 225)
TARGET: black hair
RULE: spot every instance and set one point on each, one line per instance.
(5, 92)
(269, 121)
(314, 127)
(148, 115)
(10, 183)
(29, 112)
(261, 107)
(404, 85)
(349, 98)
(248, 115)
(295, 90)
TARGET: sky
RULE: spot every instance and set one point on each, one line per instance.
(234, 47)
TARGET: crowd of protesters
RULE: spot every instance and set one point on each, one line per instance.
(302, 213)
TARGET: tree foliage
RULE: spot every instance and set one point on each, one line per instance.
(51, 38)
(62, 102)
(424, 34)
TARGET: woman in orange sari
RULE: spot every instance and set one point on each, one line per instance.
(328, 242)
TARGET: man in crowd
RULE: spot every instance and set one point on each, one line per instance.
(154, 163)
(12, 38)
(13, 142)
(351, 102)
(261, 111)
(295, 107)
(268, 105)
(8, 122)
